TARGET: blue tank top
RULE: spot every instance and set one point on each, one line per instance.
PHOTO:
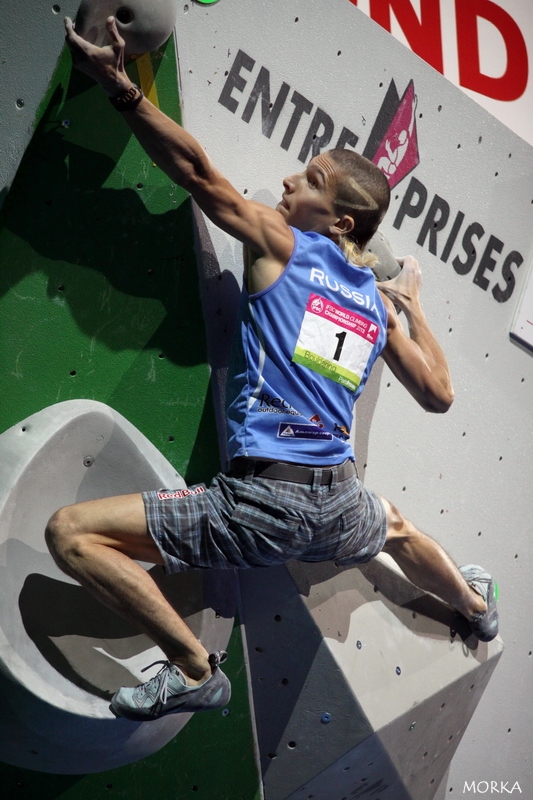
(304, 349)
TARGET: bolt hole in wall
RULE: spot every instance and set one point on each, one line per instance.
(56, 9)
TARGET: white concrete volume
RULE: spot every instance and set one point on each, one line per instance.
(61, 653)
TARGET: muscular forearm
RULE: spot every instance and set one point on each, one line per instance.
(178, 154)
(419, 363)
(169, 145)
(416, 359)
(421, 333)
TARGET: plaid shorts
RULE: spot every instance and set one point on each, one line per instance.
(257, 522)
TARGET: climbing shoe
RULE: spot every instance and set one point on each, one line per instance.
(168, 693)
(484, 625)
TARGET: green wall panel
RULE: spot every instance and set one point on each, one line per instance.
(99, 290)
(99, 299)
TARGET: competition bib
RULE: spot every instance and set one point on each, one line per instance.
(334, 341)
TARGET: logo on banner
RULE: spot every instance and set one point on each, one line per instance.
(393, 142)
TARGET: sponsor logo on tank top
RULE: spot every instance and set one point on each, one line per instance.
(275, 405)
(287, 430)
(341, 431)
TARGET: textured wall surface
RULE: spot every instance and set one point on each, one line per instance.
(31, 38)
(99, 299)
(466, 212)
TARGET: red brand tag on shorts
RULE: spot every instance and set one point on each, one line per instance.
(179, 494)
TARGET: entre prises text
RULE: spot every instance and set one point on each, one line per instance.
(446, 233)
(321, 128)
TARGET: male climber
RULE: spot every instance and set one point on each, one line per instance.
(312, 324)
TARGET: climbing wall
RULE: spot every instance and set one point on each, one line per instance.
(30, 42)
(264, 91)
(362, 684)
(99, 300)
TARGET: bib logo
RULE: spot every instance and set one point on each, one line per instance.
(317, 305)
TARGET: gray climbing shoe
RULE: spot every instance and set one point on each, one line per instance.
(485, 625)
(168, 693)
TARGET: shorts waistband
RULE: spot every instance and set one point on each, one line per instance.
(295, 473)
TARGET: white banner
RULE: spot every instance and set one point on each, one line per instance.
(481, 46)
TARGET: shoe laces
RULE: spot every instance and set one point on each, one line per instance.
(160, 681)
(481, 579)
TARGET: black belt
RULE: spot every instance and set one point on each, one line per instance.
(278, 470)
